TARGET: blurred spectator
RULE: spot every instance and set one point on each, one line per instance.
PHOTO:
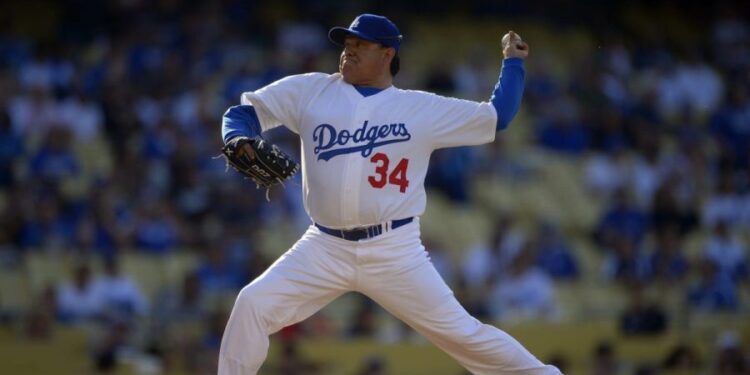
(731, 360)
(689, 175)
(621, 220)
(683, 358)
(97, 235)
(668, 214)
(625, 262)
(713, 291)
(449, 172)
(604, 360)
(32, 112)
(440, 259)
(646, 174)
(156, 230)
(474, 78)
(727, 252)
(666, 262)
(698, 84)
(730, 123)
(50, 226)
(38, 72)
(194, 197)
(120, 296)
(82, 116)
(553, 254)
(305, 36)
(526, 292)
(730, 35)
(217, 274)
(607, 172)
(113, 344)
(725, 204)
(563, 130)
(79, 301)
(55, 161)
(486, 261)
(188, 304)
(642, 317)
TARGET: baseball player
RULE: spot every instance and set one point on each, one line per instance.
(365, 150)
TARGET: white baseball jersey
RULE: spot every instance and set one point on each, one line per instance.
(364, 159)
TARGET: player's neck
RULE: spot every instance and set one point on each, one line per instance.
(369, 86)
(382, 82)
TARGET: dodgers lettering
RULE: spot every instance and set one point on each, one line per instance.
(364, 139)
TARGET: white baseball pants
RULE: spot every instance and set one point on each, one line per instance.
(394, 270)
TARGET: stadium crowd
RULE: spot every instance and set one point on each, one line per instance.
(109, 124)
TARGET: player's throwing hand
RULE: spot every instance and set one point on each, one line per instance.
(513, 46)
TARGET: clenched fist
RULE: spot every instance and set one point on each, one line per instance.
(513, 46)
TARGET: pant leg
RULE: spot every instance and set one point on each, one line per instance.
(298, 284)
(408, 286)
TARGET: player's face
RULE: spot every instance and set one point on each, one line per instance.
(363, 61)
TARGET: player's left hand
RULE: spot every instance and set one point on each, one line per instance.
(513, 46)
(259, 160)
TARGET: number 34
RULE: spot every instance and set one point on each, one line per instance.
(396, 177)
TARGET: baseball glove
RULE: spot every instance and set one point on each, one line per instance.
(268, 167)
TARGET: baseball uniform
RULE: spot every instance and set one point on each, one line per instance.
(365, 155)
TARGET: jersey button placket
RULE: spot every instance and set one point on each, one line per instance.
(357, 163)
(350, 174)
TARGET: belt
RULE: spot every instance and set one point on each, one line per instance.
(361, 233)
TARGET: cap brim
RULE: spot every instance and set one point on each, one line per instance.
(338, 34)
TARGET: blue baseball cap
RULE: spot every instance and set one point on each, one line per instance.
(370, 27)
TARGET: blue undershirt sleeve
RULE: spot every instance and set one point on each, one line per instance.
(240, 120)
(508, 91)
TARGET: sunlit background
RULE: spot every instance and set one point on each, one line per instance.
(607, 229)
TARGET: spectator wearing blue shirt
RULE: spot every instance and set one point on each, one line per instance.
(625, 262)
(621, 219)
(564, 131)
(714, 291)
(727, 251)
(78, 301)
(156, 230)
(49, 226)
(666, 262)
(95, 234)
(731, 124)
(219, 275)
(450, 172)
(55, 160)
(554, 255)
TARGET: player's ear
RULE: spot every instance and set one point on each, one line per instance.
(390, 52)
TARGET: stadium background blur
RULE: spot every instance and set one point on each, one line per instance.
(607, 229)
